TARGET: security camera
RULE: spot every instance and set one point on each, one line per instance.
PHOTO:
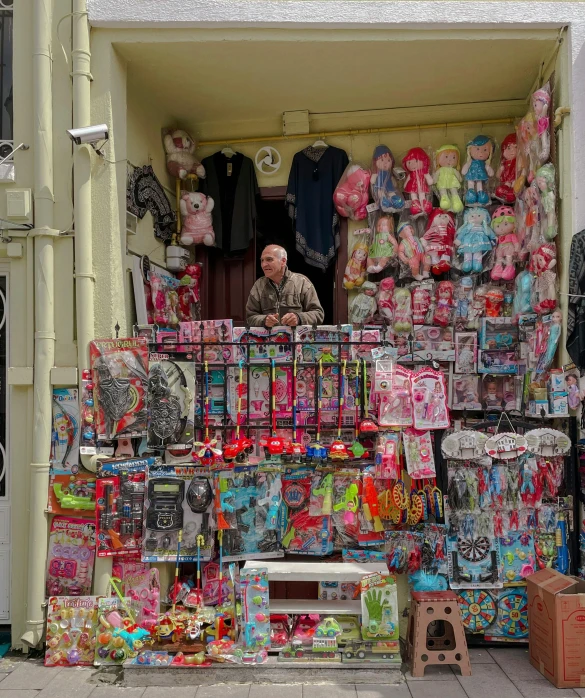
(89, 134)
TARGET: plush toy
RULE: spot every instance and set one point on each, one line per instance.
(352, 194)
(545, 181)
(188, 290)
(355, 269)
(543, 264)
(527, 160)
(181, 161)
(363, 306)
(386, 299)
(418, 180)
(411, 252)
(508, 245)
(438, 241)
(477, 170)
(507, 170)
(384, 190)
(447, 178)
(444, 294)
(402, 311)
(383, 246)
(474, 239)
(196, 211)
(540, 106)
(522, 294)
(421, 302)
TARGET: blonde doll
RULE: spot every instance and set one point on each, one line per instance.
(447, 178)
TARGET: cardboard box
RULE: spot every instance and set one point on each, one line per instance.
(556, 622)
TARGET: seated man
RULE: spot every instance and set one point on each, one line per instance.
(282, 297)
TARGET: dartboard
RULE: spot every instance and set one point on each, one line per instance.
(513, 613)
(478, 609)
(474, 549)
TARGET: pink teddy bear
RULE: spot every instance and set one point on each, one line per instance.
(351, 195)
(197, 226)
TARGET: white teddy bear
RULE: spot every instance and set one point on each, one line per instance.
(197, 226)
(181, 160)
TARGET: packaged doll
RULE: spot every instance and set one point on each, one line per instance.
(507, 170)
(527, 160)
(411, 251)
(421, 302)
(417, 165)
(507, 244)
(474, 239)
(522, 294)
(540, 106)
(444, 296)
(383, 246)
(477, 170)
(447, 178)
(543, 264)
(574, 393)
(438, 241)
(383, 186)
(527, 216)
(355, 270)
(352, 194)
(545, 181)
(363, 306)
(464, 298)
(402, 310)
(386, 299)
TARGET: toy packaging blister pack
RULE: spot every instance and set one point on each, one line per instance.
(66, 431)
(263, 344)
(72, 494)
(259, 391)
(171, 396)
(433, 343)
(178, 498)
(120, 378)
(387, 458)
(322, 343)
(118, 637)
(518, 556)
(429, 395)
(418, 452)
(143, 590)
(256, 608)
(71, 628)
(466, 393)
(379, 599)
(71, 557)
(345, 508)
(209, 333)
(301, 532)
(392, 387)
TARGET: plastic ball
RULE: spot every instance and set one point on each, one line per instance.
(118, 655)
(104, 638)
(118, 642)
(73, 656)
(89, 402)
(103, 652)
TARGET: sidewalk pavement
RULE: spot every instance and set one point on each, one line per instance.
(497, 673)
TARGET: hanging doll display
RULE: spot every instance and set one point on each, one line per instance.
(545, 181)
(165, 298)
(355, 270)
(444, 295)
(477, 170)
(383, 185)
(386, 299)
(543, 264)
(383, 245)
(411, 251)
(402, 311)
(438, 241)
(540, 105)
(506, 173)
(447, 178)
(352, 194)
(417, 165)
(533, 138)
(363, 306)
(474, 239)
(508, 245)
(188, 293)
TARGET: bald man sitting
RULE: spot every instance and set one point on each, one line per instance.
(282, 297)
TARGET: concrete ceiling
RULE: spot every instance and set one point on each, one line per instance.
(226, 81)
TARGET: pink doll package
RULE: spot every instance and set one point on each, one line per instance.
(352, 194)
(438, 241)
(71, 557)
(165, 298)
(188, 292)
(355, 270)
(417, 165)
(508, 245)
(429, 396)
(392, 385)
(383, 185)
(421, 302)
(418, 451)
(387, 456)
(411, 252)
(383, 245)
(477, 171)
(506, 174)
(543, 265)
(444, 303)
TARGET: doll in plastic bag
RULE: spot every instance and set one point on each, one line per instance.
(383, 246)
(355, 270)
(386, 299)
(402, 311)
(508, 245)
(527, 220)
(444, 303)
(540, 105)
(543, 264)
(384, 190)
(507, 170)
(363, 306)
(545, 181)
(417, 165)
(438, 241)
(477, 170)
(523, 293)
(352, 194)
(447, 178)
(421, 302)
(411, 252)
(474, 239)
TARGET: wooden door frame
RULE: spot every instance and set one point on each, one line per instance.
(340, 303)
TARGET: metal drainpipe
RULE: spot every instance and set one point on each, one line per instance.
(44, 319)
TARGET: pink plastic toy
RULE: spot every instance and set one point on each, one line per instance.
(188, 291)
(421, 301)
(352, 193)
(444, 295)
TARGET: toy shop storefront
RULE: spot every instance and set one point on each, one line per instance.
(275, 495)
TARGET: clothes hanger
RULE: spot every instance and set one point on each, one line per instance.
(228, 152)
(319, 144)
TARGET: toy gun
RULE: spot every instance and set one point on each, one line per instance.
(370, 504)
(301, 518)
(272, 499)
(71, 501)
(562, 561)
(222, 495)
(107, 518)
(325, 491)
(349, 503)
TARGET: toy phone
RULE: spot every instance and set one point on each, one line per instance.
(165, 504)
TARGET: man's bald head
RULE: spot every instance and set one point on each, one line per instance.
(273, 262)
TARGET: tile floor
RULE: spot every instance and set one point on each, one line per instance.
(497, 673)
